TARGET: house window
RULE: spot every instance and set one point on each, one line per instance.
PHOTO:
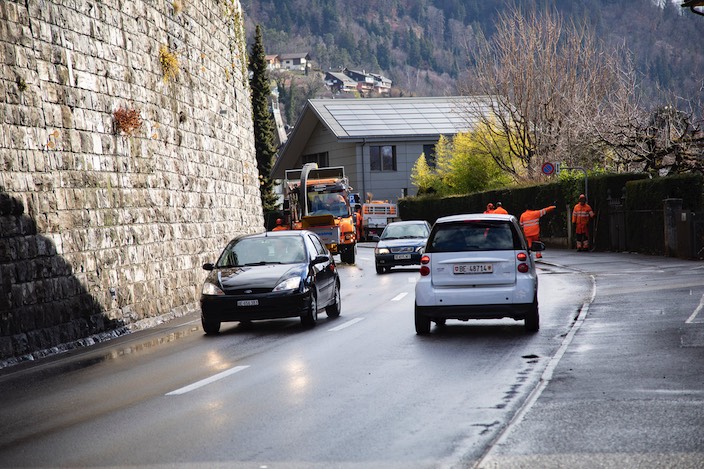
(320, 158)
(429, 151)
(382, 158)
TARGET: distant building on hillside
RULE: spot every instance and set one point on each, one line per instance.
(365, 82)
(297, 62)
(369, 83)
(273, 62)
(338, 82)
(382, 85)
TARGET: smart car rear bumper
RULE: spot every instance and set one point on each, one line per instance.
(466, 312)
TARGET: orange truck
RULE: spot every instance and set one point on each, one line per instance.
(318, 199)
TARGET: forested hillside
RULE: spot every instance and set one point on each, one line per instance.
(422, 44)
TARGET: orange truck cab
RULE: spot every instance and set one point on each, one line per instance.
(318, 199)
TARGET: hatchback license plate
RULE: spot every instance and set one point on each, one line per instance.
(473, 268)
(247, 302)
(402, 256)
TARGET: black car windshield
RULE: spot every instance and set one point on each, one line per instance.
(263, 250)
(473, 236)
(405, 231)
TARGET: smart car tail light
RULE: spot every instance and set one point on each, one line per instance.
(523, 268)
(424, 269)
(522, 256)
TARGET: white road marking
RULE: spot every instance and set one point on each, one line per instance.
(413, 279)
(347, 324)
(699, 308)
(399, 296)
(206, 381)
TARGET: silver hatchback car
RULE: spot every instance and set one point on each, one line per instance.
(477, 266)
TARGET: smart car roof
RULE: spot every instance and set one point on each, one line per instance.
(474, 216)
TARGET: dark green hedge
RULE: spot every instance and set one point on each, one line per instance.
(643, 198)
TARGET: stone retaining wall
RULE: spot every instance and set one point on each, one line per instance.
(103, 227)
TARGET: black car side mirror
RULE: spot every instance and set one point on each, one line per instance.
(319, 260)
(208, 266)
(537, 246)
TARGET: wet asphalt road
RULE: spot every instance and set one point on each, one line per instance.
(613, 379)
(628, 390)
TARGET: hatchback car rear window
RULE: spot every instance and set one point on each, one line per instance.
(473, 236)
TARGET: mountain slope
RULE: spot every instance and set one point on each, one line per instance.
(422, 44)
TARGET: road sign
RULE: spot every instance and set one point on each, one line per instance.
(548, 168)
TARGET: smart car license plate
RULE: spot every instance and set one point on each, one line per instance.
(473, 268)
(247, 302)
(402, 256)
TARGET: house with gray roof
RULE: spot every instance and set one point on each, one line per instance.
(377, 140)
(338, 82)
(296, 62)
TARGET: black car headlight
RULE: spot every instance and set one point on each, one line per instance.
(210, 289)
(291, 283)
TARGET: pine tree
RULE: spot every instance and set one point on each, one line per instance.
(264, 126)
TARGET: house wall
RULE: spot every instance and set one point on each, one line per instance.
(339, 153)
(389, 185)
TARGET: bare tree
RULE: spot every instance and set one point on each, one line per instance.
(547, 80)
(666, 140)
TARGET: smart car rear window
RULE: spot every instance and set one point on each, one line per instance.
(477, 235)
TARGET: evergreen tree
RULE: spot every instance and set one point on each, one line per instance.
(264, 127)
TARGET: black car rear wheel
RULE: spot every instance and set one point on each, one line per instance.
(309, 318)
(333, 310)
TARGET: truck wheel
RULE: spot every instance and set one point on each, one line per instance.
(347, 256)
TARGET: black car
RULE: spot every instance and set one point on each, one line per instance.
(401, 243)
(277, 274)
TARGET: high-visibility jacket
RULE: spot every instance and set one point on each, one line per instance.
(581, 215)
(530, 220)
(500, 210)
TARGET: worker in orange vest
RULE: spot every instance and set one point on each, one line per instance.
(530, 222)
(359, 221)
(500, 209)
(489, 208)
(279, 225)
(581, 215)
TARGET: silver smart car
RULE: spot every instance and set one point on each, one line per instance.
(477, 266)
